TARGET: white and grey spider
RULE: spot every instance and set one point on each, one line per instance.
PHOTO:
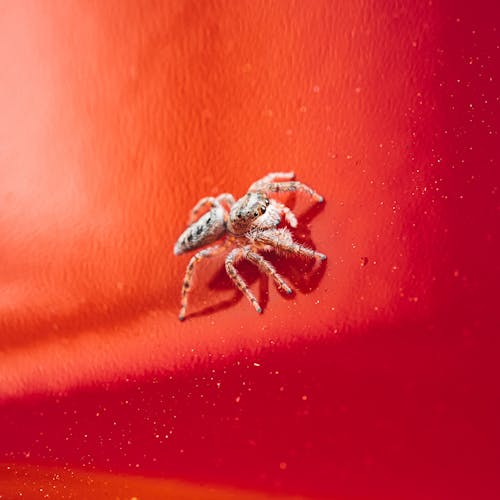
(249, 225)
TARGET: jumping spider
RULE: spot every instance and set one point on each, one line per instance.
(250, 225)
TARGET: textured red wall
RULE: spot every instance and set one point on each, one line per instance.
(375, 380)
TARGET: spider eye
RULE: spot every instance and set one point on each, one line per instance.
(256, 214)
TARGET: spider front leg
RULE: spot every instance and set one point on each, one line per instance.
(235, 255)
(269, 178)
(186, 284)
(281, 239)
(292, 186)
(289, 215)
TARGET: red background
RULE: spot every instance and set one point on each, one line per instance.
(370, 381)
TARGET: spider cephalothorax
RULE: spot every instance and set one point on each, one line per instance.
(248, 225)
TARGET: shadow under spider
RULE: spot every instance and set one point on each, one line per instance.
(302, 274)
(221, 281)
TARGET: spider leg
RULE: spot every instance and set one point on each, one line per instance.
(267, 268)
(186, 284)
(193, 215)
(211, 202)
(281, 239)
(289, 215)
(272, 177)
(233, 256)
(282, 187)
(226, 197)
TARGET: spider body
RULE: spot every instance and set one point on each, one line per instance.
(207, 229)
(250, 226)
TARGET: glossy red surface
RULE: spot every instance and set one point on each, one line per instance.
(378, 377)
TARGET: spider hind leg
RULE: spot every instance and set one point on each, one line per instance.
(186, 284)
(209, 202)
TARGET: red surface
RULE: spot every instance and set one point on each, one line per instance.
(371, 381)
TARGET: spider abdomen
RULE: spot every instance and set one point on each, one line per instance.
(208, 228)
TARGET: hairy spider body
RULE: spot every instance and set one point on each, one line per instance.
(250, 225)
(207, 229)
